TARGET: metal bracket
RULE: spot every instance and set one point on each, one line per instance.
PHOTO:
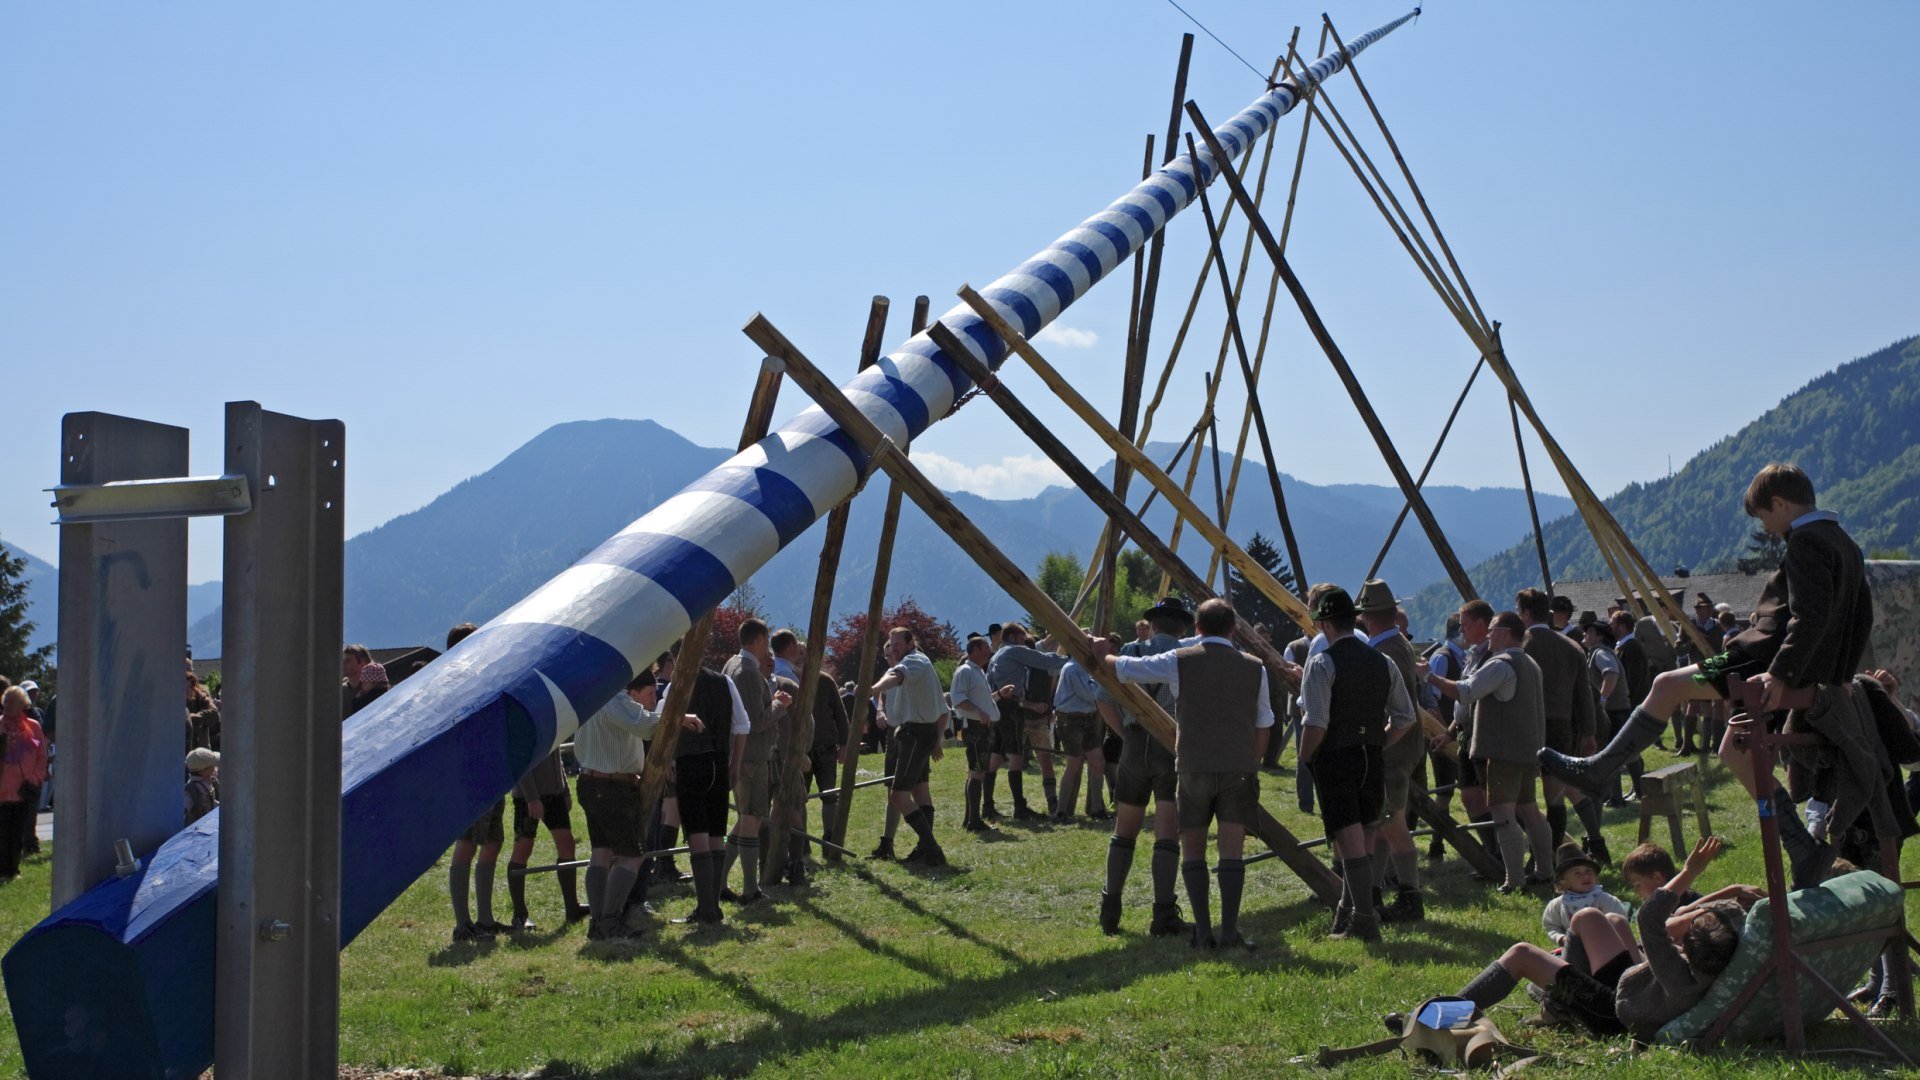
(149, 500)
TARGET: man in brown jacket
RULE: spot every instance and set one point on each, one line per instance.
(1225, 720)
(751, 672)
(1810, 626)
(1567, 694)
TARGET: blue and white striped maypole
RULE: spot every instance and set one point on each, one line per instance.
(428, 757)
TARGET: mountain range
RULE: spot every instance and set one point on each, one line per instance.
(1855, 430)
(481, 546)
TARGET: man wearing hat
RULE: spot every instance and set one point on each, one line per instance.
(1377, 610)
(1560, 616)
(1353, 706)
(1147, 772)
(1013, 665)
(1226, 718)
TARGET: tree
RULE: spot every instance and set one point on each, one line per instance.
(1252, 604)
(1766, 550)
(17, 661)
(935, 638)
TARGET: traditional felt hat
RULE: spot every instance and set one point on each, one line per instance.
(1588, 618)
(1376, 595)
(1171, 606)
(1569, 856)
(30, 686)
(202, 758)
(1562, 603)
(1333, 603)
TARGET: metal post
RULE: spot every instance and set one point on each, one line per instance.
(123, 645)
(277, 946)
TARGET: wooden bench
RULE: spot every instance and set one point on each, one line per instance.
(1664, 793)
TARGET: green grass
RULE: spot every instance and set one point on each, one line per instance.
(993, 968)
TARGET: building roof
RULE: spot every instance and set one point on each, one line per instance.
(1738, 589)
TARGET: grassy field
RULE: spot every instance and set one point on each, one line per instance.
(991, 968)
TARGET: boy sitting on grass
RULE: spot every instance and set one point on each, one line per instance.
(1577, 875)
(1647, 868)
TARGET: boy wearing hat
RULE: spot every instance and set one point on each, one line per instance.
(1577, 876)
(1377, 610)
(203, 783)
(1353, 706)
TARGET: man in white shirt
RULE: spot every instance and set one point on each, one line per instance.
(977, 703)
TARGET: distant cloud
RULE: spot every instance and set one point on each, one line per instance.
(1010, 478)
(1066, 337)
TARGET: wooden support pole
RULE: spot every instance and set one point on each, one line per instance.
(1219, 488)
(1083, 478)
(1420, 481)
(869, 642)
(1249, 568)
(1253, 391)
(1107, 565)
(1533, 505)
(1087, 586)
(1441, 545)
(820, 618)
(1017, 584)
(660, 753)
(1202, 427)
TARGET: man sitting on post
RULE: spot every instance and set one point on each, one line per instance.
(1225, 720)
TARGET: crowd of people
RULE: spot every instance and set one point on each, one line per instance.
(1532, 718)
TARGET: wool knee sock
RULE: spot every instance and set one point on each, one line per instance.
(596, 889)
(1406, 867)
(974, 784)
(1574, 952)
(893, 821)
(1050, 788)
(620, 881)
(1233, 879)
(749, 865)
(457, 887)
(1356, 877)
(1557, 827)
(1589, 811)
(517, 891)
(921, 822)
(1513, 852)
(1808, 859)
(732, 856)
(1194, 873)
(1165, 864)
(1069, 790)
(483, 892)
(1490, 987)
(1119, 863)
(1017, 786)
(1488, 838)
(1542, 839)
(986, 792)
(570, 889)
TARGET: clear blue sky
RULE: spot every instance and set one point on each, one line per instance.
(453, 225)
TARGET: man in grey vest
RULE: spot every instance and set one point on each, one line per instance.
(1509, 725)
(752, 673)
(1225, 720)
(1354, 706)
(1567, 695)
(1146, 772)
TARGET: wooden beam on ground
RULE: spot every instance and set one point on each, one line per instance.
(660, 753)
(1470, 850)
(1083, 478)
(1249, 567)
(1223, 161)
(1015, 581)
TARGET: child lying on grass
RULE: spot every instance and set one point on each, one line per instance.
(1609, 983)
